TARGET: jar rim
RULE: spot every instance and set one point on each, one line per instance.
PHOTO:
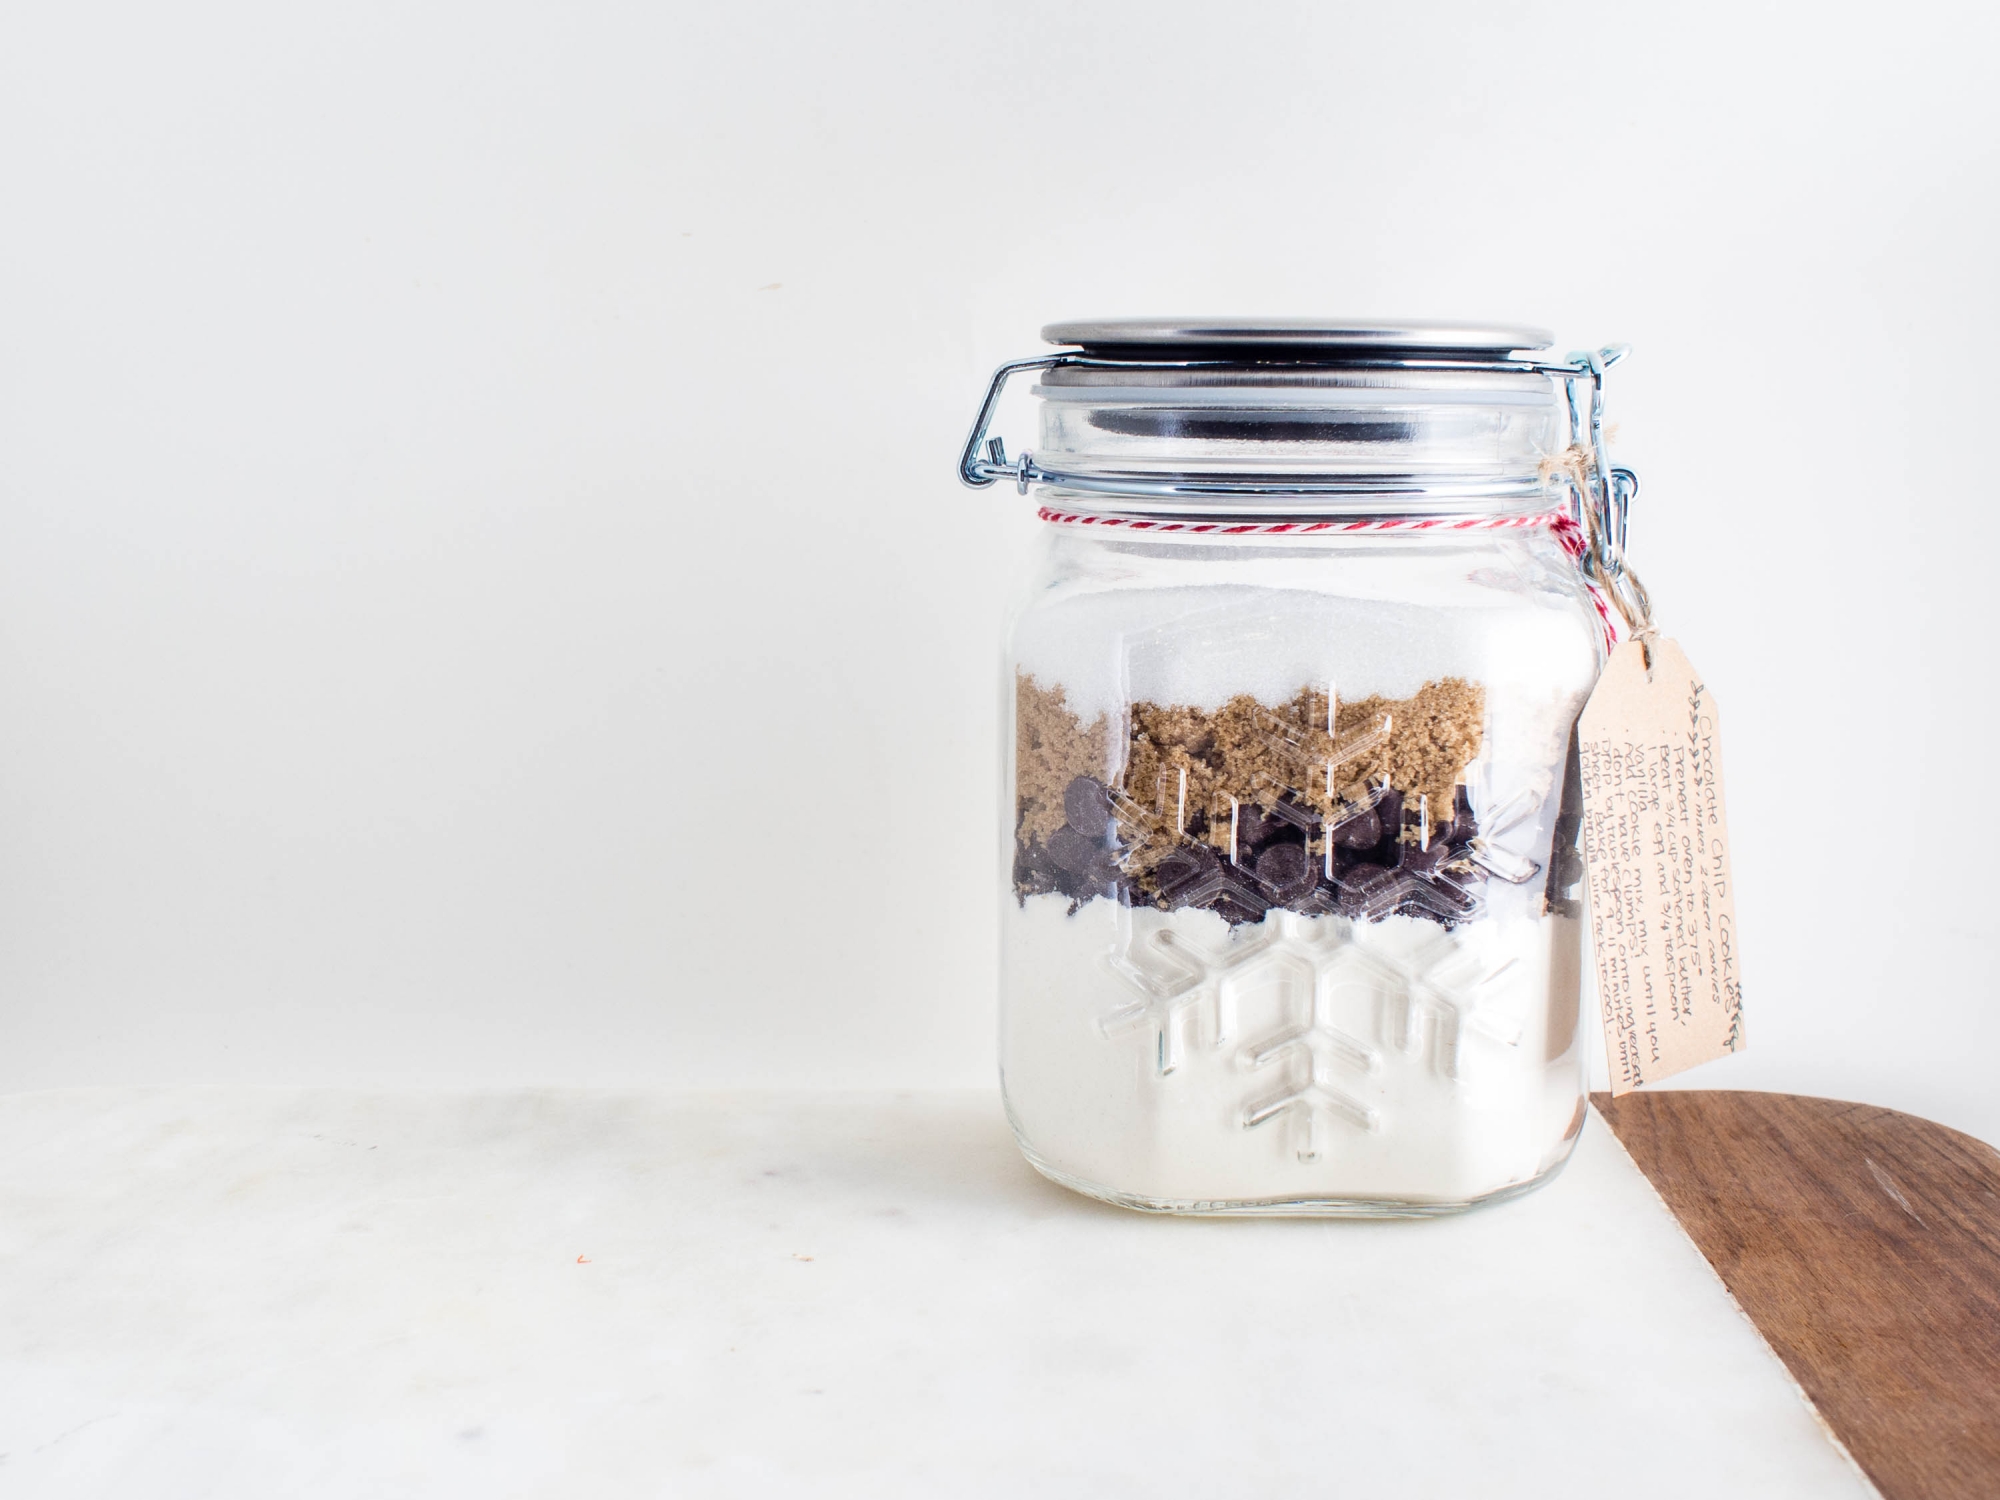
(1315, 339)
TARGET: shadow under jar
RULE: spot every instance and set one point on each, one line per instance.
(1291, 919)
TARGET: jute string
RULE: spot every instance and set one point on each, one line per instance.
(1626, 593)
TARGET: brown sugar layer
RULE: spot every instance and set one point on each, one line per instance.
(1185, 761)
(1052, 747)
(1311, 805)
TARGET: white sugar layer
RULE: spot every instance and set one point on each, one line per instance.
(1164, 1057)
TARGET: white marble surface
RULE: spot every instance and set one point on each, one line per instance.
(226, 1293)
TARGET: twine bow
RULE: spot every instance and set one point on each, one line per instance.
(1627, 594)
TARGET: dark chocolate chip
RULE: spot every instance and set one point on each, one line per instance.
(1074, 852)
(1088, 807)
(1238, 910)
(1035, 873)
(1286, 871)
(1435, 897)
(1237, 899)
(1389, 808)
(1227, 891)
(1105, 870)
(1254, 826)
(1464, 827)
(1370, 891)
(1186, 865)
(1358, 830)
(1321, 901)
(1285, 821)
(1454, 827)
(1366, 878)
(1423, 861)
(1297, 814)
(1101, 879)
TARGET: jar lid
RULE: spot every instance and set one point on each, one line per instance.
(1302, 417)
(1299, 338)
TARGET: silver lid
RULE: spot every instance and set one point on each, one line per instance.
(1181, 337)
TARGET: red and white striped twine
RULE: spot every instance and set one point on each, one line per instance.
(1560, 523)
(1549, 519)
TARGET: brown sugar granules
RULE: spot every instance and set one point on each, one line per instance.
(1052, 747)
(1352, 808)
(1189, 765)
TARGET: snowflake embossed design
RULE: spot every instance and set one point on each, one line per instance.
(1179, 987)
(1415, 1000)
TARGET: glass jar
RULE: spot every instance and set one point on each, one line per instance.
(1291, 918)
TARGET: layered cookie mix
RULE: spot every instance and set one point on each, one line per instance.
(1315, 805)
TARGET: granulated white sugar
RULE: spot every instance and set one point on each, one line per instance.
(1165, 1059)
(1109, 645)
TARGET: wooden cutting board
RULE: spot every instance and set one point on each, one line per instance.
(1865, 1246)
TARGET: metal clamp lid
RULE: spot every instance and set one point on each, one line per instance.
(1601, 495)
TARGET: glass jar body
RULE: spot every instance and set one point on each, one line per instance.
(1291, 917)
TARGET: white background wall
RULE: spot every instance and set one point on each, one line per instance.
(466, 469)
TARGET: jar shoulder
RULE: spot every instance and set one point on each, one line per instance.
(1381, 615)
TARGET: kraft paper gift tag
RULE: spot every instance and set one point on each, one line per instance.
(1656, 852)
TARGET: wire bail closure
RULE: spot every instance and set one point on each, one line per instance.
(1604, 494)
(1601, 496)
(978, 473)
